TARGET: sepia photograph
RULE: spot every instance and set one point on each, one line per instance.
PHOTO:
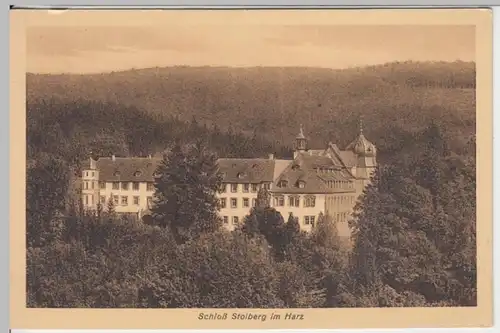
(251, 164)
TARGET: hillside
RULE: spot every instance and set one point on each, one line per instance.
(394, 98)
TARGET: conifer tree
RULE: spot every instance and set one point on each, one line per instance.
(110, 208)
(391, 246)
(292, 225)
(185, 198)
(263, 198)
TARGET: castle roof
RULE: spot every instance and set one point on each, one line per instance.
(361, 146)
(310, 172)
(305, 175)
(127, 169)
(246, 170)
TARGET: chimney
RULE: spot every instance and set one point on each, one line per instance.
(113, 158)
(271, 156)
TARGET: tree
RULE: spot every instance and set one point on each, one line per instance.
(47, 186)
(186, 188)
(292, 228)
(110, 208)
(325, 233)
(263, 198)
(391, 243)
(218, 270)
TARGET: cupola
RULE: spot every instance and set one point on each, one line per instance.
(361, 146)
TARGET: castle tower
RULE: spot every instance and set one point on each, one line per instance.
(300, 143)
(90, 185)
(366, 153)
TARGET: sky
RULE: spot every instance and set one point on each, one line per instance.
(93, 49)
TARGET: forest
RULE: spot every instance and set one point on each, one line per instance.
(414, 236)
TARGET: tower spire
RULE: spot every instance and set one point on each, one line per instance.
(301, 133)
(300, 142)
(361, 124)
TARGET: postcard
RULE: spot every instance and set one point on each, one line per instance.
(314, 169)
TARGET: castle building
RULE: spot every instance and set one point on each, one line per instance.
(327, 181)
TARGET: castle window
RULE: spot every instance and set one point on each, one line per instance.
(223, 202)
(150, 186)
(254, 202)
(234, 188)
(279, 201)
(125, 186)
(92, 173)
(246, 188)
(267, 186)
(235, 220)
(102, 185)
(254, 187)
(149, 201)
(226, 220)
(310, 201)
(223, 188)
(294, 201)
(115, 200)
(234, 202)
(124, 201)
(103, 199)
(246, 202)
(135, 186)
(116, 185)
(136, 200)
(309, 220)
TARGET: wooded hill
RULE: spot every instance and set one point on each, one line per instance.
(395, 99)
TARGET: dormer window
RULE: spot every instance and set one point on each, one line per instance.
(301, 184)
(116, 173)
(241, 175)
(283, 183)
(295, 167)
(223, 175)
(156, 174)
(137, 173)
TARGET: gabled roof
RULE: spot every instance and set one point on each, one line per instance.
(304, 169)
(349, 158)
(243, 170)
